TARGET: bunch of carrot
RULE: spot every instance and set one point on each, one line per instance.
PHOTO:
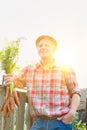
(10, 102)
(8, 59)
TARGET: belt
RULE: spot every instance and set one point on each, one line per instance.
(48, 117)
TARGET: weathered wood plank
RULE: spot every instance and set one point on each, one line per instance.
(20, 112)
(29, 120)
(1, 101)
(8, 123)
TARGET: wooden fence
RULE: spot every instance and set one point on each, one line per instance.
(21, 119)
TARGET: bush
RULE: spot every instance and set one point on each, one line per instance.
(78, 125)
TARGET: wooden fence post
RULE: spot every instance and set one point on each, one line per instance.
(86, 113)
(20, 112)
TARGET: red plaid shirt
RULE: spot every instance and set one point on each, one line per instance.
(49, 90)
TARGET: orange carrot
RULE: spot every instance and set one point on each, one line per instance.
(9, 109)
(7, 92)
(12, 103)
(17, 102)
(5, 110)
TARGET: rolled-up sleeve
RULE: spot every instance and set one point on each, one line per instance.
(71, 82)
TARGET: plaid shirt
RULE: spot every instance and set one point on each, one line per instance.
(49, 90)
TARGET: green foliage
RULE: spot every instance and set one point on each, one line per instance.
(78, 125)
(9, 55)
(8, 58)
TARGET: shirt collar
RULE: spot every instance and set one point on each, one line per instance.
(50, 66)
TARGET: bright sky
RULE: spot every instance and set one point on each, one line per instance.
(65, 20)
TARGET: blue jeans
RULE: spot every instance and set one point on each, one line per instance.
(53, 124)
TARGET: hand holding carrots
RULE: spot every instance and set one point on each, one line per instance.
(8, 60)
(8, 79)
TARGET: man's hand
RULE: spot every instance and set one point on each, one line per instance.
(8, 79)
(68, 117)
(12, 79)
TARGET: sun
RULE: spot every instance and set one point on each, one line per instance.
(64, 55)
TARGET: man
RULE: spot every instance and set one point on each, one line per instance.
(53, 93)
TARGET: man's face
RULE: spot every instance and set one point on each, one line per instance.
(45, 48)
